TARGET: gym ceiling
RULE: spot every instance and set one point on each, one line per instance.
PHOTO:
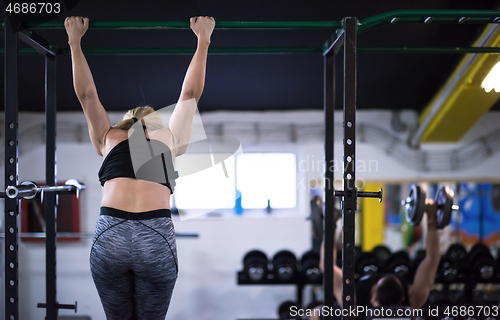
(392, 81)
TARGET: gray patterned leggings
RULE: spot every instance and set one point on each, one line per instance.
(133, 261)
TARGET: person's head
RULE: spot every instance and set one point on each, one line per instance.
(387, 292)
(146, 115)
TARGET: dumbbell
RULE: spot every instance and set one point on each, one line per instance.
(383, 254)
(482, 262)
(310, 267)
(255, 265)
(367, 263)
(285, 266)
(400, 264)
(415, 205)
(452, 262)
(284, 310)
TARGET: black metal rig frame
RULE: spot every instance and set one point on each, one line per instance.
(11, 170)
(346, 38)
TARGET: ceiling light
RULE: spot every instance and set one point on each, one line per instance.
(492, 80)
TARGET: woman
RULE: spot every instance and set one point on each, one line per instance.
(133, 257)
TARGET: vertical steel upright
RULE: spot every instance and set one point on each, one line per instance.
(50, 179)
(349, 199)
(329, 196)
(11, 173)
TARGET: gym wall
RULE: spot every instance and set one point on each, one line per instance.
(209, 263)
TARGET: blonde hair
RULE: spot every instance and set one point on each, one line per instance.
(145, 114)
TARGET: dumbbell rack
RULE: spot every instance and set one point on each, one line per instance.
(271, 280)
(469, 283)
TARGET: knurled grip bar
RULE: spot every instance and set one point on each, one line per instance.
(41, 235)
(362, 194)
(29, 190)
(60, 306)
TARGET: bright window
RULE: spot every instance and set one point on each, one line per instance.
(205, 189)
(267, 176)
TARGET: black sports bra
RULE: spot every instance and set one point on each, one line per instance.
(153, 160)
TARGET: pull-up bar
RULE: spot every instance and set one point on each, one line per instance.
(185, 25)
(391, 17)
(264, 50)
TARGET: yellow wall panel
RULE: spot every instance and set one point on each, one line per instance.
(373, 219)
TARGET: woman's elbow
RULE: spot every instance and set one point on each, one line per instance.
(86, 95)
(187, 94)
(180, 150)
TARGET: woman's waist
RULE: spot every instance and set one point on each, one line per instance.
(127, 215)
(135, 195)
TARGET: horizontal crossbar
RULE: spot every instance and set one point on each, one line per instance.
(391, 17)
(185, 25)
(264, 50)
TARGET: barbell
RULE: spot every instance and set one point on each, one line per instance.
(415, 205)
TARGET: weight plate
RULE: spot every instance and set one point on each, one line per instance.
(456, 252)
(448, 270)
(284, 255)
(477, 250)
(444, 201)
(255, 265)
(311, 254)
(415, 205)
(255, 255)
(285, 266)
(382, 253)
(483, 264)
(400, 264)
(367, 263)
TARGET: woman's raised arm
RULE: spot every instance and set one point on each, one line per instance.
(97, 118)
(181, 121)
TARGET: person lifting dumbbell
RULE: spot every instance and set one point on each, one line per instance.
(382, 290)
